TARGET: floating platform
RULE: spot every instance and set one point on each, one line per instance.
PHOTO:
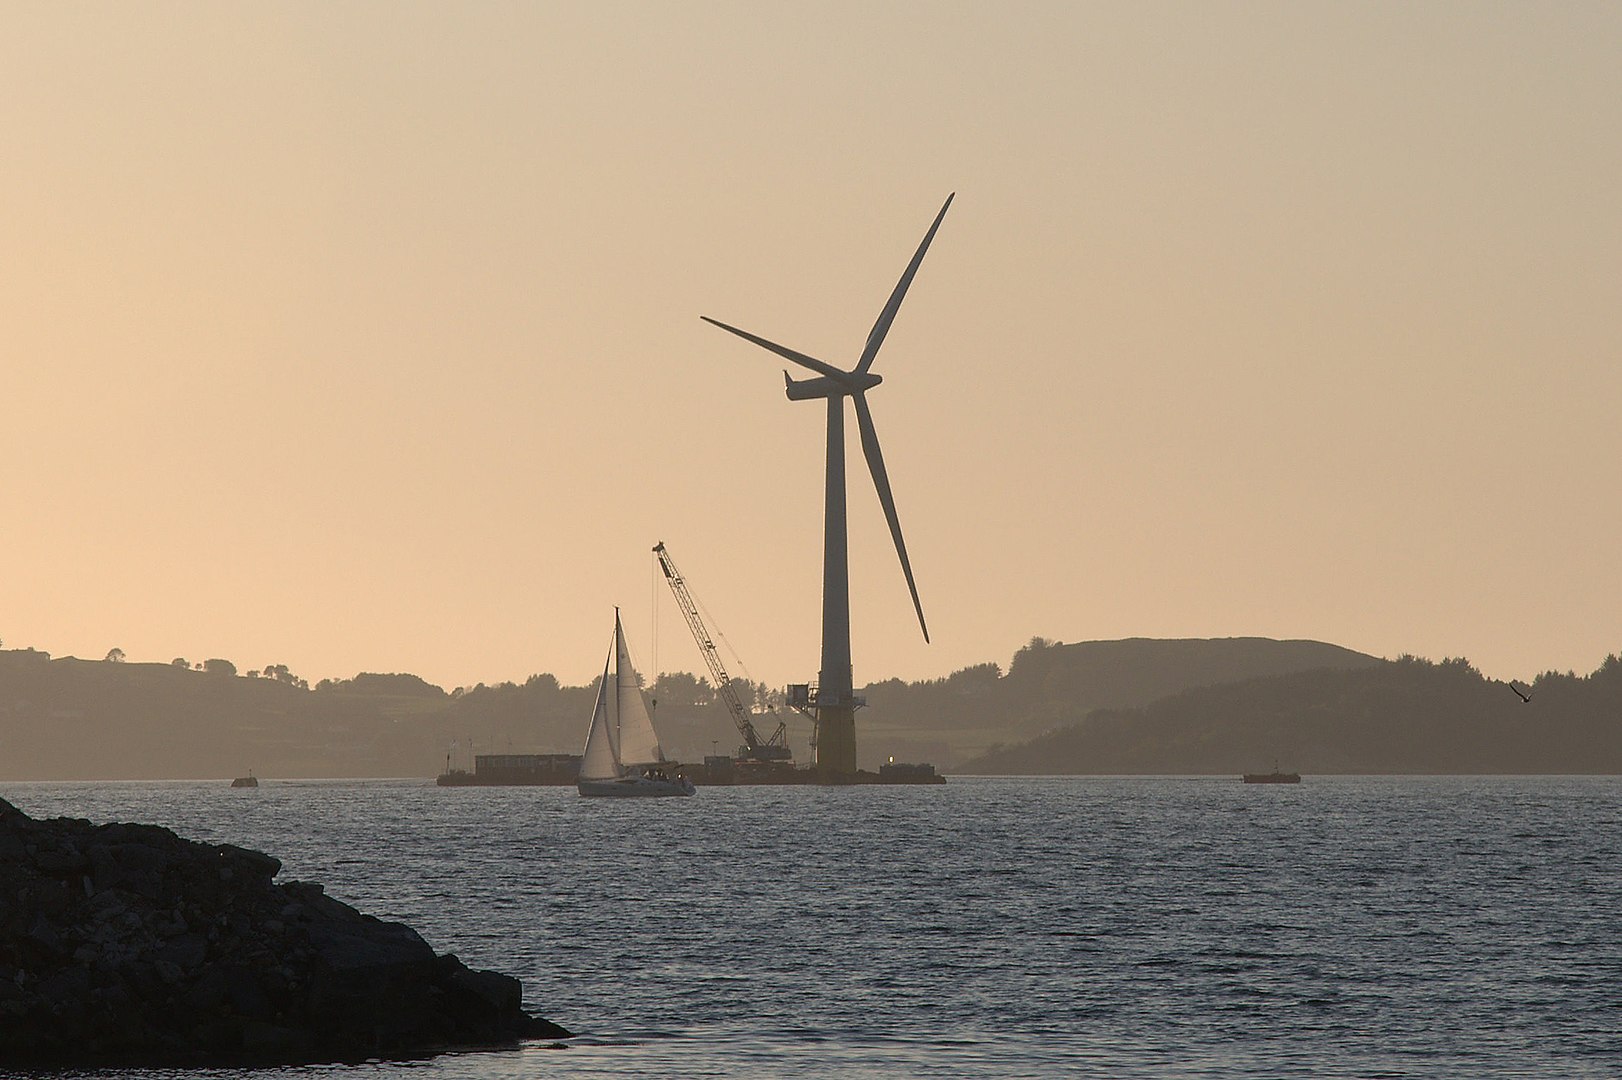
(739, 772)
(561, 770)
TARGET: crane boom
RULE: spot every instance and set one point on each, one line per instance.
(754, 748)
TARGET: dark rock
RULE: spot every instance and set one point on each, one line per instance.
(61, 861)
(185, 952)
(125, 944)
(251, 863)
(498, 992)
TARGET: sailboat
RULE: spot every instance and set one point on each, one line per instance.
(623, 756)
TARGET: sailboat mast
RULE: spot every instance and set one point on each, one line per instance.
(619, 705)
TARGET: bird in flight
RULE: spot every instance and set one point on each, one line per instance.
(1523, 697)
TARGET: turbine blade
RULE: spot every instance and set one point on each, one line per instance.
(875, 337)
(881, 481)
(786, 353)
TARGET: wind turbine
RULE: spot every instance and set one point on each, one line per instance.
(836, 702)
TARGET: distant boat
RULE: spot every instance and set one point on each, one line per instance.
(1274, 777)
(623, 757)
(245, 781)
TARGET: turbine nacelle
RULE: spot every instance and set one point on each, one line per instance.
(825, 386)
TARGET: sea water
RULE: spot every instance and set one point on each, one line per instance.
(1111, 927)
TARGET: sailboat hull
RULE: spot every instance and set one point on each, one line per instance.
(635, 787)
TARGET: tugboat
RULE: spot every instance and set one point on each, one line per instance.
(1274, 777)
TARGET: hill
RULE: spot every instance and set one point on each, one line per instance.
(1050, 684)
(1135, 671)
(1403, 716)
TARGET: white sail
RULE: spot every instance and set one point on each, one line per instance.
(638, 742)
(601, 759)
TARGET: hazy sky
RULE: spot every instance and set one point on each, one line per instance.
(366, 336)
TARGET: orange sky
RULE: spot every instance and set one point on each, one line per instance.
(365, 336)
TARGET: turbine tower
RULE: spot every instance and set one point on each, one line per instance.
(836, 701)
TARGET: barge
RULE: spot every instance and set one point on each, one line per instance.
(510, 770)
(1274, 777)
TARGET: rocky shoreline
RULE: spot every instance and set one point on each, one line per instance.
(125, 944)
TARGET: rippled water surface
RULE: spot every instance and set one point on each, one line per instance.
(1355, 927)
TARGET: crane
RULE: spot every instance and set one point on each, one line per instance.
(754, 748)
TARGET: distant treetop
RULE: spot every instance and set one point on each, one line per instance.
(398, 684)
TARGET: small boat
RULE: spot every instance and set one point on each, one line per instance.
(245, 781)
(1274, 777)
(623, 757)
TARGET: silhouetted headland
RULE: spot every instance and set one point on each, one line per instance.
(125, 944)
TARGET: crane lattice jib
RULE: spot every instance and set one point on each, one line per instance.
(712, 656)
